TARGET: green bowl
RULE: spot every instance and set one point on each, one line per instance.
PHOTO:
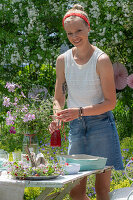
(87, 162)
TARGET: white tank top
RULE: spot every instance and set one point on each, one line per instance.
(83, 82)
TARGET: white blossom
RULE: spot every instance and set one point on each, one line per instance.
(30, 27)
(108, 16)
(103, 31)
(16, 19)
(32, 61)
(37, 65)
(114, 18)
(120, 33)
(129, 50)
(20, 39)
(121, 22)
(15, 57)
(116, 38)
(41, 40)
(95, 11)
(32, 12)
(27, 50)
(3, 63)
(109, 3)
(118, 4)
(39, 57)
(20, 5)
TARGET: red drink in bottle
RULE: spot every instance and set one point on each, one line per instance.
(55, 139)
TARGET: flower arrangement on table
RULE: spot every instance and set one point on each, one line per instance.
(19, 169)
(35, 167)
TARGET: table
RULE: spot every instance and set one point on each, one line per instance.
(69, 181)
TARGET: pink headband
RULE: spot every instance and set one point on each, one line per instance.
(76, 14)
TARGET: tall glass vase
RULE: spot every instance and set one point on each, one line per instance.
(31, 141)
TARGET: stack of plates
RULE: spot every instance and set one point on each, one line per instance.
(87, 162)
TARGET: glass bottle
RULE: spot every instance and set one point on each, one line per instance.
(55, 140)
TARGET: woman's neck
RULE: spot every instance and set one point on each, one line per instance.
(83, 52)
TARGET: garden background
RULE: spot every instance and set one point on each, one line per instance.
(31, 38)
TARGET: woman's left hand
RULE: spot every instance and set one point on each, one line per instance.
(67, 115)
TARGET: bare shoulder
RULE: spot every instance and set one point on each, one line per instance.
(104, 64)
(103, 58)
(60, 59)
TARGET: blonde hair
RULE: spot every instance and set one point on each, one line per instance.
(77, 8)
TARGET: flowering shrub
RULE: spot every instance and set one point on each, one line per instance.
(24, 114)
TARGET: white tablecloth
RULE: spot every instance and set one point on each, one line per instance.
(11, 190)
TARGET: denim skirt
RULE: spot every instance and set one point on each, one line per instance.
(97, 136)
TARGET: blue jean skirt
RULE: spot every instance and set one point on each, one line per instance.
(97, 136)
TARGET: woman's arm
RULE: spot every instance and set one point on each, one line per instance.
(59, 97)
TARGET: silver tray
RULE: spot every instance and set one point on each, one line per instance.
(35, 178)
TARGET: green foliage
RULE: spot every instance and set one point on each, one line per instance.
(124, 115)
(127, 149)
(32, 193)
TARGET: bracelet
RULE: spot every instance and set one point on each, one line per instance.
(80, 112)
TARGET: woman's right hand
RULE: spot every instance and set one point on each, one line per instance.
(54, 125)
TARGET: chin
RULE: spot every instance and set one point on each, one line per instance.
(78, 45)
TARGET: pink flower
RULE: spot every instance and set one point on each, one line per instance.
(10, 120)
(12, 130)
(130, 81)
(24, 109)
(33, 116)
(16, 99)
(120, 76)
(28, 117)
(10, 86)
(23, 95)
(6, 101)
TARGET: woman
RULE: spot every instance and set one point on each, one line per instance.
(87, 71)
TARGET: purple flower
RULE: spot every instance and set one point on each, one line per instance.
(12, 130)
(6, 101)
